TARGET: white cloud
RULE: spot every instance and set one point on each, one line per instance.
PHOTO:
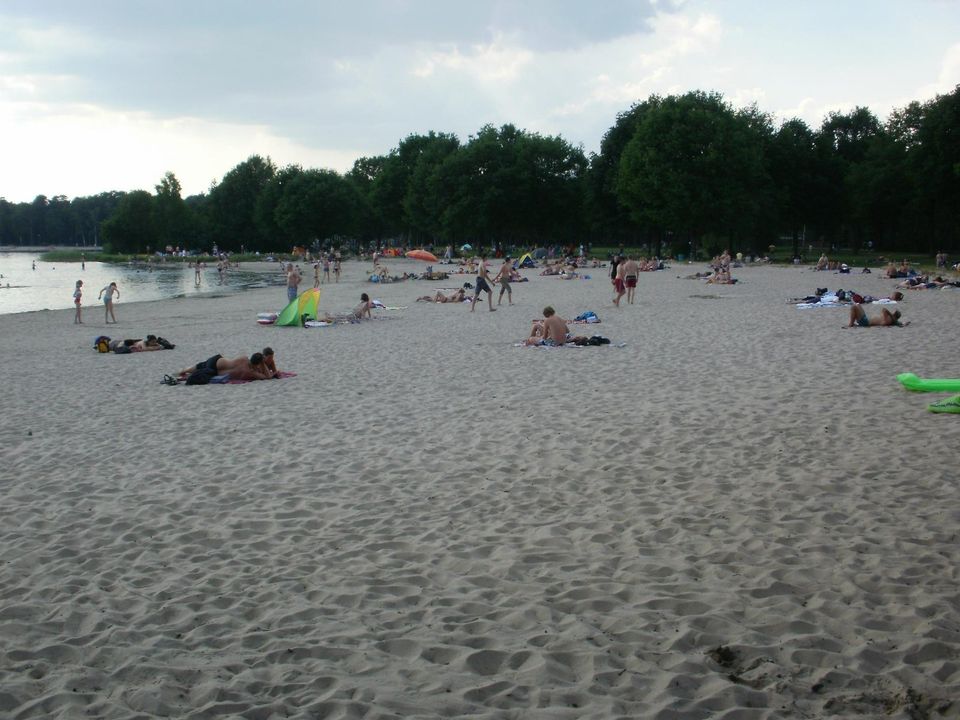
(84, 150)
(947, 78)
(110, 95)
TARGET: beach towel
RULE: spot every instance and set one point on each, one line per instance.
(834, 302)
(228, 381)
(587, 317)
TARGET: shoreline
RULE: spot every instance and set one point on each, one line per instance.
(733, 512)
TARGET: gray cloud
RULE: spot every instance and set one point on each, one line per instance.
(333, 74)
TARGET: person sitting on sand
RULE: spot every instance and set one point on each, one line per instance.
(822, 263)
(362, 310)
(551, 331)
(858, 317)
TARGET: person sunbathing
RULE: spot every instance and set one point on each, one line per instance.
(551, 331)
(552, 269)
(270, 363)
(439, 297)
(240, 368)
(148, 345)
(139, 345)
(858, 317)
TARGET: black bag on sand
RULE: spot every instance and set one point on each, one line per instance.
(201, 376)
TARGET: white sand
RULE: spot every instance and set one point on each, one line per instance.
(429, 522)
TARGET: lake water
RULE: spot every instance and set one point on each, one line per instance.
(28, 284)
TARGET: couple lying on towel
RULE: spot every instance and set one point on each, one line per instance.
(259, 366)
(139, 345)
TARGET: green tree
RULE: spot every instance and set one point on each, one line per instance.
(276, 238)
(934, 164)
(232, 205)
(693, 166)
(171, 215)
(608, 219)
(131, 228)
(317, 205)
(421, 210)
(363, 176)
(794, 172)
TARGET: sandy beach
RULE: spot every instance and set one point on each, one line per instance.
(732, 511)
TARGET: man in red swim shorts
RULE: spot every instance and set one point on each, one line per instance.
(630, 270)
(618, 283)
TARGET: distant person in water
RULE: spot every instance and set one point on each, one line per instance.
(107, 294)
(858, 317)
(77, 294)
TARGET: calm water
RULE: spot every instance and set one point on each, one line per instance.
(50, 286)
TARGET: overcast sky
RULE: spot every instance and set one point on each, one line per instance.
(111, 94)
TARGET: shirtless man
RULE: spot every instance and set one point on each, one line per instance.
(504, 277)
(618, 282)
(859, 318)
(241, 368)
(482, 285)
(293, 282)
(552, 330)
(630, 270)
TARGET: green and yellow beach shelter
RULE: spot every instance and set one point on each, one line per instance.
(303, 308)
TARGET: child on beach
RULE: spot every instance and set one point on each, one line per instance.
(77, 293)
(107, 294)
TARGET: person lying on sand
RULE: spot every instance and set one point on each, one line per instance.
(240, 368)
(270, 363)
(455, 297)
(148, 345)
(859, 318)
(131, 346)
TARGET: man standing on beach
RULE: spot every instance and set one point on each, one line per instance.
(293, 282)
(483, 285)
(630, 270)
(503, 277)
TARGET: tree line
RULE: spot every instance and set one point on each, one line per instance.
(674, 174)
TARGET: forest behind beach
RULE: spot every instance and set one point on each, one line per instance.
(676, 175)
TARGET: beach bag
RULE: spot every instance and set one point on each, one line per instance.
(102, 344)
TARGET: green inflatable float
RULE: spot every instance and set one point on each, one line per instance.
(948, 405)
(917, 384)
